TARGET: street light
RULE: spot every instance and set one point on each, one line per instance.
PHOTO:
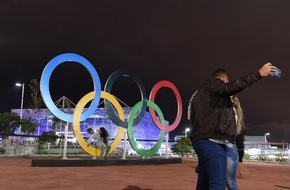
(22, 96)
(266, 139)
(266, 136)
(186, 130)
(48, 121)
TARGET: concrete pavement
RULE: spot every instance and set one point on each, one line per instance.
(17, 173)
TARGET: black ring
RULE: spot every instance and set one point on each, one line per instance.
(108, 86)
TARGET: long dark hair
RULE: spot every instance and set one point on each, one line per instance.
(104, 132)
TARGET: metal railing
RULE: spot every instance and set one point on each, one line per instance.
(268, 151)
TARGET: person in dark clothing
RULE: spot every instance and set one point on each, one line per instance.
(241, 151)
(213, 124)
(105, 138)
(240, 144)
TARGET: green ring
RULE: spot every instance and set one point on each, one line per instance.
(132, 141)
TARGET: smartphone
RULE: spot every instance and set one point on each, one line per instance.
(277, 73)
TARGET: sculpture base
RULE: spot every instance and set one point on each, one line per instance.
(53, 161)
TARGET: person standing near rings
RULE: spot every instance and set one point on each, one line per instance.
(231, 148)
(213, 124)
(242, 172)
(233, 156)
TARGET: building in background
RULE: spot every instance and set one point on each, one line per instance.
(146, 132)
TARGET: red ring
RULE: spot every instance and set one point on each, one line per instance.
(154, 90)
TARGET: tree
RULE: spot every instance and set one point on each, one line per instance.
(48, 137)
(183, 146)
(28, 126)
(37, 101)
(10, 122)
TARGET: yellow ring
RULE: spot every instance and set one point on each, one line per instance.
(76, 122)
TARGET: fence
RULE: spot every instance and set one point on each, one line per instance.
(19, 145)
(276, 151)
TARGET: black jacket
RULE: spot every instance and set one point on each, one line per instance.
(212, 114)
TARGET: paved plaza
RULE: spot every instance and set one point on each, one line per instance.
(17, 173)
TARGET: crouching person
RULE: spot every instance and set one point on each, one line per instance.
(100, 138)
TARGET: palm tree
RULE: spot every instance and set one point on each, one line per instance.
(37, 101)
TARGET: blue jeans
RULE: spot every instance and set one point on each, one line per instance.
(212, 164)
(232, 166)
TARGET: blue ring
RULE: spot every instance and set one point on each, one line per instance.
(44, 86)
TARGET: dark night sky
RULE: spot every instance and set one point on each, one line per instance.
(182, 41)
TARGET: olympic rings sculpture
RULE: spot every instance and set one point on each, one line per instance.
(111, 103)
